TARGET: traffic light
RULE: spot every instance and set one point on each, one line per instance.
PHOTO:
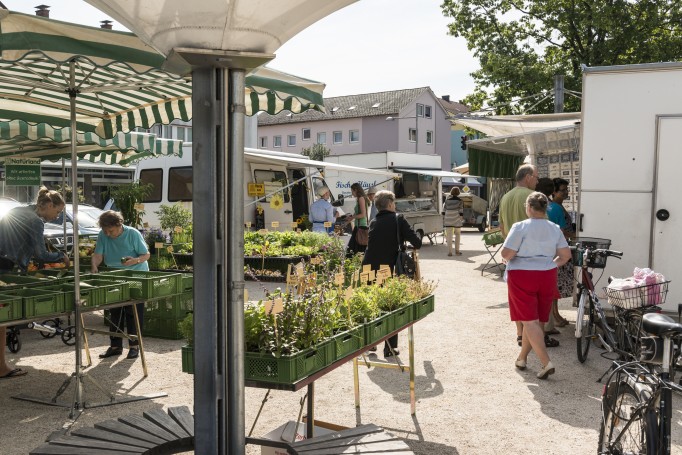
(464, 142)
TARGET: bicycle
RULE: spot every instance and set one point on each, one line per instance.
(637, 400)
(624, 338)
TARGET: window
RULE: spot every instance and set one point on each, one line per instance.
(277, 141)
(354, 136)
(180, 184)
(420, 110)
(272, 181)
(291, 140)
(263, 142)
(412, 135)
(305, 135)
(184, 133)
(321, 138)
(429, 137)
(427, 111)
(338, 137)
(155, 177)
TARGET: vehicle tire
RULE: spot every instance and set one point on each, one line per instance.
(482, 226)
(69, 335)
(53, 323)
(420, 234)
(621, 432)
(586, 320)
(13, 342)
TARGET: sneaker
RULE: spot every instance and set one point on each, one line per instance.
(133, 353)
(520, 364)
(110, 352)
(546, 371)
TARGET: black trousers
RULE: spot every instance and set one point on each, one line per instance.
(393, 342)
(123, 317)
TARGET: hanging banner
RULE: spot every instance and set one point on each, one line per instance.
(22, 171)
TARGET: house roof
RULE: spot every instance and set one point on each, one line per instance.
(352, 106)
(453, 107)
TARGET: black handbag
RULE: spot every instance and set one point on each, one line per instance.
(404, 263)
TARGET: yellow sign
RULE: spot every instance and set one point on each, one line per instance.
(256, 189)
(139, 207)
(248, 224)
(274, 224)
(384, 273)
(466, 189)
(299, 269)
(366, 268)
(298, 230)
(262, 231)
(158, 245)
(380, 279)
(327, 224)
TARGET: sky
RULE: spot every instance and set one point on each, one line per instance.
(369, 46)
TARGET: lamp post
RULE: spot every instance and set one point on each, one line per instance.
(416, 129)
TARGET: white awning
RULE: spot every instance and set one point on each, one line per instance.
(432, 172)
(266, 157)
(470, 181)
(504, 125)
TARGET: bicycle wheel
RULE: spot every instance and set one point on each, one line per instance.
(587, 329)
(627, 428)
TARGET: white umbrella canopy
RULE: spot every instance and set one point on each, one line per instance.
(237, 25)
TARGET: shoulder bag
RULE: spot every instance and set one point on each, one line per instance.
(404, 263)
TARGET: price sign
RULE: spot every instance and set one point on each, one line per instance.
(372, 275)
(299, 269)
(294, 225)
(384, 274)
(158, 245)
(315, 260)
(262, 231)
(255, 189)
(274, 306)
(364, 277)
(274, 224)
(385, 267)
(348, 293)
(338, 279)
(139, 207)
(145, 225)
(169, 248)
(366, 268)
(298, 230)
(327, 224)
(380, 279)
(248, 224)
(292, 279)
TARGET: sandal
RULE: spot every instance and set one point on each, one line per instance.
(15, 373)
(519, 339)
(551, 342)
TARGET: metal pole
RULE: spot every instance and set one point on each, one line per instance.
(416, 131)
(233, 231)
(558, 93)
(78, 393)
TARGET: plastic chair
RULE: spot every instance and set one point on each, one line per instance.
(493, 241)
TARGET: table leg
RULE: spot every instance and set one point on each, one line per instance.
(86, 346)
(356, 382)
(310, 422)
(410, 342)
(139, 341)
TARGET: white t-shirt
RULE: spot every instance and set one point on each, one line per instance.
(535, 242)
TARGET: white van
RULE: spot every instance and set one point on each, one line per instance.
(293, 177)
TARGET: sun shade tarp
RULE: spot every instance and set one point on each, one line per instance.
(431, 172)
(490, 164)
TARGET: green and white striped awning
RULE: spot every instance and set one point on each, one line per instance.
(20, 139)
(117, 81)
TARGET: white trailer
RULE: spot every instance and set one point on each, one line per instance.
(630, 158)
(418, 188)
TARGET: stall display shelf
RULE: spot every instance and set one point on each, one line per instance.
(290, 368)
(37, 302)
(147, 285)
(21, 281)
(423, 307)
(379, 327)
(348, 341)
(109, 291)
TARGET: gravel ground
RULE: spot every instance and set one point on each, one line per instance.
(471, 399)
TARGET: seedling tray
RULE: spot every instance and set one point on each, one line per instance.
(38, 302)
(147, 285)
(10, 308)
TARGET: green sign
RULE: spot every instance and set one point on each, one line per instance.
(22, 171)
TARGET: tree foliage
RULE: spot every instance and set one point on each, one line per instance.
(522, 44)
(316, 152)
(128, 198)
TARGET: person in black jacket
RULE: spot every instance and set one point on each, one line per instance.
(382, 248)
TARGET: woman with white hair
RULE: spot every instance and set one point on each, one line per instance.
(321, 211)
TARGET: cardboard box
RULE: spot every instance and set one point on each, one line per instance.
(285, 433)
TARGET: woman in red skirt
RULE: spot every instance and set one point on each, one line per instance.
(533, 250)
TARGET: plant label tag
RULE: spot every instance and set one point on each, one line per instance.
(274, 306)
(262, 231)
(246, 295)
(298, 230)
(145, 225)
(385, 267)
(364, 277)
(312, 278)
(366, 268)
(177, 229)
(274, 224)
(356, 276)
(380, 279)
(139, 207)
(338, 279)
(268, 305)
(372, 275)
(384, 274)
(292, 279)
(248, 224)
(315, 260)
(158, 245)
(299, 269)
(169, 248)
(327, 224)
(348, 293)
(294, 225)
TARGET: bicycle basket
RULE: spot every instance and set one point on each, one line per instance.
(638, 297)
(598, 262)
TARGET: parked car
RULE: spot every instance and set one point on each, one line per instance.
(7, 204)
(88, 216)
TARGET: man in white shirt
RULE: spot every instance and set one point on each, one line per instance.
(321, 211)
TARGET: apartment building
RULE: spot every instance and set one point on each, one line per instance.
(410, 120)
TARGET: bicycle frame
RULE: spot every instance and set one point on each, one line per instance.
(589, 297)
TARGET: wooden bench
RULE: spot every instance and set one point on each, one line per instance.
(155, 432)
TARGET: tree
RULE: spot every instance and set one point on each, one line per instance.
(522, 44)
(128, 198)
(317, 152)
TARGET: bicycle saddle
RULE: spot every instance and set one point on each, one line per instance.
(660, 324)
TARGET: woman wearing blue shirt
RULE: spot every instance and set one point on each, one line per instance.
(533, 250)
(122, 247)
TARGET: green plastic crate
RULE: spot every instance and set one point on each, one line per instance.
(402, 317)
(22, 281)
(285, 369)
(147, 285)
(424, 307)
(109, 291)
(348, 341)
(161, 328)
(188, 359)
(38, 302)
(10, 308)
(173, 307)
(67, 290)
(378, 328)
(187, 282)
